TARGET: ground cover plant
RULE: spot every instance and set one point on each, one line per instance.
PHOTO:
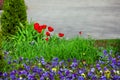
(106, 68)
(1, 55)
(14, 11)
(36, 52)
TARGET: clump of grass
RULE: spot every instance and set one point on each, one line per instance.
(29, 43)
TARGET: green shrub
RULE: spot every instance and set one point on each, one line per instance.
(1, 54)
(14, 13)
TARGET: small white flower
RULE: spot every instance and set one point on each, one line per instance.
(43, 69)
(20, 78)
(70, 70)
(83, 75)
(101, 71)
(118, 72)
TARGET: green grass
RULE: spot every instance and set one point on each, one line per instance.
(28, 43)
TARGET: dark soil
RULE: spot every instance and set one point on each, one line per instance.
(108, 42)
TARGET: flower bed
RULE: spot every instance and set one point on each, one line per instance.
(107, 68)
(35, 53)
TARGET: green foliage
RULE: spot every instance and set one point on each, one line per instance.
(13, 14)
(29, 43)
(2, 64)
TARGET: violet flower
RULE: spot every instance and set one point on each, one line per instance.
(55, 59)
(55, 62)
(5, 74)
(9, 62)
(13, 77)
(27, 68)
(92, 70)
(114, 60)
(94, 77)
(98, 67)
(74, 64)
(45, 74)
(42, 78)
(23, 72)
(90, 74)
(21, 58)
(6, 52)
(43, 61)
(61, 63)
(118, 63)
(105, 52)
(80, 78)
(80, 71)
(31, 77)
(1, 74)
(103, 78)
(116, 77)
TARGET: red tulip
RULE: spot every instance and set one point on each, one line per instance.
(46, 39)
(36, 26)
(44, 26)
(39, 29)
(48, 33)
(80, 32)
(50, 29)
(60, 34)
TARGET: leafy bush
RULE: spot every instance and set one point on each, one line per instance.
(1, 54)
(13, 14)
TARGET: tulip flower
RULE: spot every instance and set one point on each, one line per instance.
(50, 29)
(39, 30)
(60, 34)
(80, 32)
(46, 39)
(36, 26)
(44, 26)
(48, 33)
